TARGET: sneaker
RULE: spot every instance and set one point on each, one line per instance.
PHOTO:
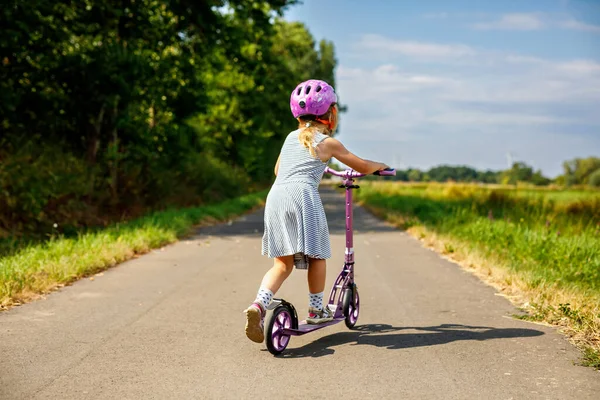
(319, 316)
(255, 316)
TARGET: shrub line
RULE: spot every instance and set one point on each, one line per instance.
(41, 268)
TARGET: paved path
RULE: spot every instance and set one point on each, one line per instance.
(169, 325)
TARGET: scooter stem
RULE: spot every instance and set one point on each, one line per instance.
(349, 253)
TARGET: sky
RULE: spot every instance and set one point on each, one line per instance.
(479, 83)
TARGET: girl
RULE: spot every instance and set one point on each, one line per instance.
(296, 231)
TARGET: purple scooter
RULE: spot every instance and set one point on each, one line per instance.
(343, 298)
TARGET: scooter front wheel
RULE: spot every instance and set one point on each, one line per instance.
(281, 319)
(351, 306)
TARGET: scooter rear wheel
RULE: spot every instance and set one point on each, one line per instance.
(281, 319)
(351, 306)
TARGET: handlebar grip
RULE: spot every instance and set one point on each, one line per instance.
(385, 172)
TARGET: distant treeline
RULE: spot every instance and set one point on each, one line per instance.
(580, 171)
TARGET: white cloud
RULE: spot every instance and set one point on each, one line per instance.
(540, 83)
(427, 80)
(516, 21)
(409, 101)
(390, 75)
(580, 26)
(387, 81)
(412, 48)
(583, 67)
(475, 118)
(453, 108)
(520, 59)
(521, 21)
(497, 91)
(460, 57)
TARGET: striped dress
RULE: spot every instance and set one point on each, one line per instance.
(295, 221)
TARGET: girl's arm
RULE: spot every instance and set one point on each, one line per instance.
(277, 165)
(334, 148)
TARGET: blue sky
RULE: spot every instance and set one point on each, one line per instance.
(464, 82)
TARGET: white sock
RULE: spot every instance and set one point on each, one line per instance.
(264, 297)
(315, 300)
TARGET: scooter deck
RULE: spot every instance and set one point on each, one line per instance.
(304, 328)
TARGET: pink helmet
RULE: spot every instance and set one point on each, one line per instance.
(313, 97)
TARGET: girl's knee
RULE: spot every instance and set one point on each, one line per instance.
(286, 264)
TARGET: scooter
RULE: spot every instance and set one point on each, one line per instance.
(344, 300)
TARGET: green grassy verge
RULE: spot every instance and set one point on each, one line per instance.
(40, 268)
(542, 249)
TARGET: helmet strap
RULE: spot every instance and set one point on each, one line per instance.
(324, 121)
(328, 121)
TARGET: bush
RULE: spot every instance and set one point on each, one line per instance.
(594, 179)
(41, 186)
(46, 190)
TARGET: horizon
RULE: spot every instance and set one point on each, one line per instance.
(463, 84)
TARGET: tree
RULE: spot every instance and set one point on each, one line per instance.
(488, 176)
(414, 175)
(154, 102)
(237, 126)
(579, 170)
(459, 173)
(594, 179)
(401, 175)
(538, 179)
(519, 172)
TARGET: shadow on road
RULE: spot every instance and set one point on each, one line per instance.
(382, 335)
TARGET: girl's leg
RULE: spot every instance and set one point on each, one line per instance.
(281, 269)
(317, 272)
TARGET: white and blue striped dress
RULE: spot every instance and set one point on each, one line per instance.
(295, 221)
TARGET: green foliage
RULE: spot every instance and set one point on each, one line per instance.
(120, 107)
(444, 173)
(540, 180)
(414, 175)
(594, 179)
(41, 267)
(41, 189)
(447, 173)
(580, 170)
(249, 96)
(550, 237)
(519, 172)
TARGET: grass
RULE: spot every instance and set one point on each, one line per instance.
(41, 268)
(541, 248)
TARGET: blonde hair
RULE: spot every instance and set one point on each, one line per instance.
(310, 124)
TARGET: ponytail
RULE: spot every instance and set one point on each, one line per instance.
(309, 124)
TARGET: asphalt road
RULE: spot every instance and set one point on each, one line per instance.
(169, 325)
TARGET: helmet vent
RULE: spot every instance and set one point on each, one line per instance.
(307, 89)
(319, 88)
(302, 104)
(299, 90)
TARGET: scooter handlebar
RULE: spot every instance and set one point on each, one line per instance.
(353, 174)
(386, 172)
